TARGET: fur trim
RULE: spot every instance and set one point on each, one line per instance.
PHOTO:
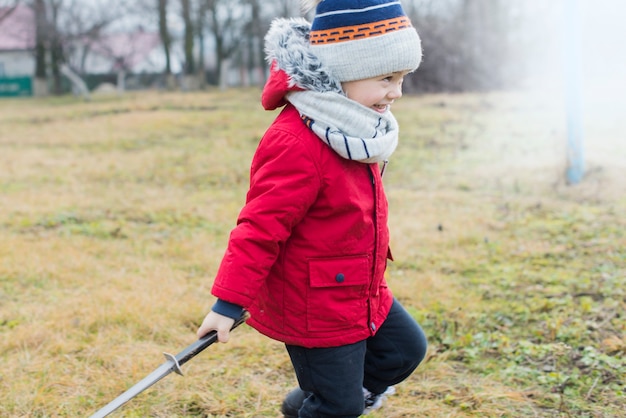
(287, 44)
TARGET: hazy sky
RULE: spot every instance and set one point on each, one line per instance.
(601, 42)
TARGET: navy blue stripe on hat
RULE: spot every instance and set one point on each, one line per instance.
(342, 13)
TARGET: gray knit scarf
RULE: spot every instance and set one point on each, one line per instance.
(353, 131)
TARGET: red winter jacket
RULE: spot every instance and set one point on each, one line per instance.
(308, 254)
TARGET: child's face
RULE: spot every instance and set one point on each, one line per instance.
(377, 93)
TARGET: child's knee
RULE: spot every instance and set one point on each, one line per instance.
(420, 346)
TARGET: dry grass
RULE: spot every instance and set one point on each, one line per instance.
(114, 215)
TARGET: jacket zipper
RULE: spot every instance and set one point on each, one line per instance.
(371, 289)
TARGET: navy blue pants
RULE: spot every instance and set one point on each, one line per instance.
(336, 376)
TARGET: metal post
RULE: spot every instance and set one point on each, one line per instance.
(573, 78)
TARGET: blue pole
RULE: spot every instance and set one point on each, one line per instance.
(575, 150)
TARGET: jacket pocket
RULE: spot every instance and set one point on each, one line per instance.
(337, 293)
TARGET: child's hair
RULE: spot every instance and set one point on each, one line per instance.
(360, 39)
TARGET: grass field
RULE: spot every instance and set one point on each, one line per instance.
(114, 215)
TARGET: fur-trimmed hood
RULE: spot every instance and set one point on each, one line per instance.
(294, 67)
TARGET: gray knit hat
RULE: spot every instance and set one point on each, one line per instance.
(359, 39)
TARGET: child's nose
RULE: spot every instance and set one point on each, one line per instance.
(395, 92)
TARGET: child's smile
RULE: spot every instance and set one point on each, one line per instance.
(381, 108)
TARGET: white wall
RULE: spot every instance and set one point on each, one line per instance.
(17, 64)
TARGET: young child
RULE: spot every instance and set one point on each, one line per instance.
(308, 255)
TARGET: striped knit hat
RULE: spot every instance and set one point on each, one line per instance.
(359, 39)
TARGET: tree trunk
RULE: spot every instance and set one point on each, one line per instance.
(165, 36)
(201, 63)
(41, 83)
(56, 59)
(188, 41)
(56, 50)
(224, 63)
(257, 52)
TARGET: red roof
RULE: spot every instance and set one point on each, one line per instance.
(17, 28)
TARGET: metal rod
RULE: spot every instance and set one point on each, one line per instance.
(172, 364)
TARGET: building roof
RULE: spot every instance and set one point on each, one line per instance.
(17, 28)
(126, 50)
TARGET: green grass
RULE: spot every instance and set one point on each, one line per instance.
(114, 215)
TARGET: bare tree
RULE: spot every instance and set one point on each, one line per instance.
(255, 32)
(188, 37)
(60, 26)
(165, 39)
(226, 20)
(41, 30)
(55, 44)
(158, 14)
(200, 32)
(466, 43)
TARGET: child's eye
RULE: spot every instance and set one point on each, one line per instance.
(393, 78)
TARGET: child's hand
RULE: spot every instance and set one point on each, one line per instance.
(216, 322)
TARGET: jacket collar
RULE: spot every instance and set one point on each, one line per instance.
(293, 66)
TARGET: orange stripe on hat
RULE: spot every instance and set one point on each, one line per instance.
(351, 33)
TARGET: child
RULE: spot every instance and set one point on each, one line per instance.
(308, 255)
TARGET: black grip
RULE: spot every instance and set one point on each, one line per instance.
(193, 349)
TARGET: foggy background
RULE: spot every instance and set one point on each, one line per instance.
(469, 45)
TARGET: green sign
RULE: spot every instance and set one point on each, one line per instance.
(14, 87)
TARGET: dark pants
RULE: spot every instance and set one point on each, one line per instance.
(336, 376)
